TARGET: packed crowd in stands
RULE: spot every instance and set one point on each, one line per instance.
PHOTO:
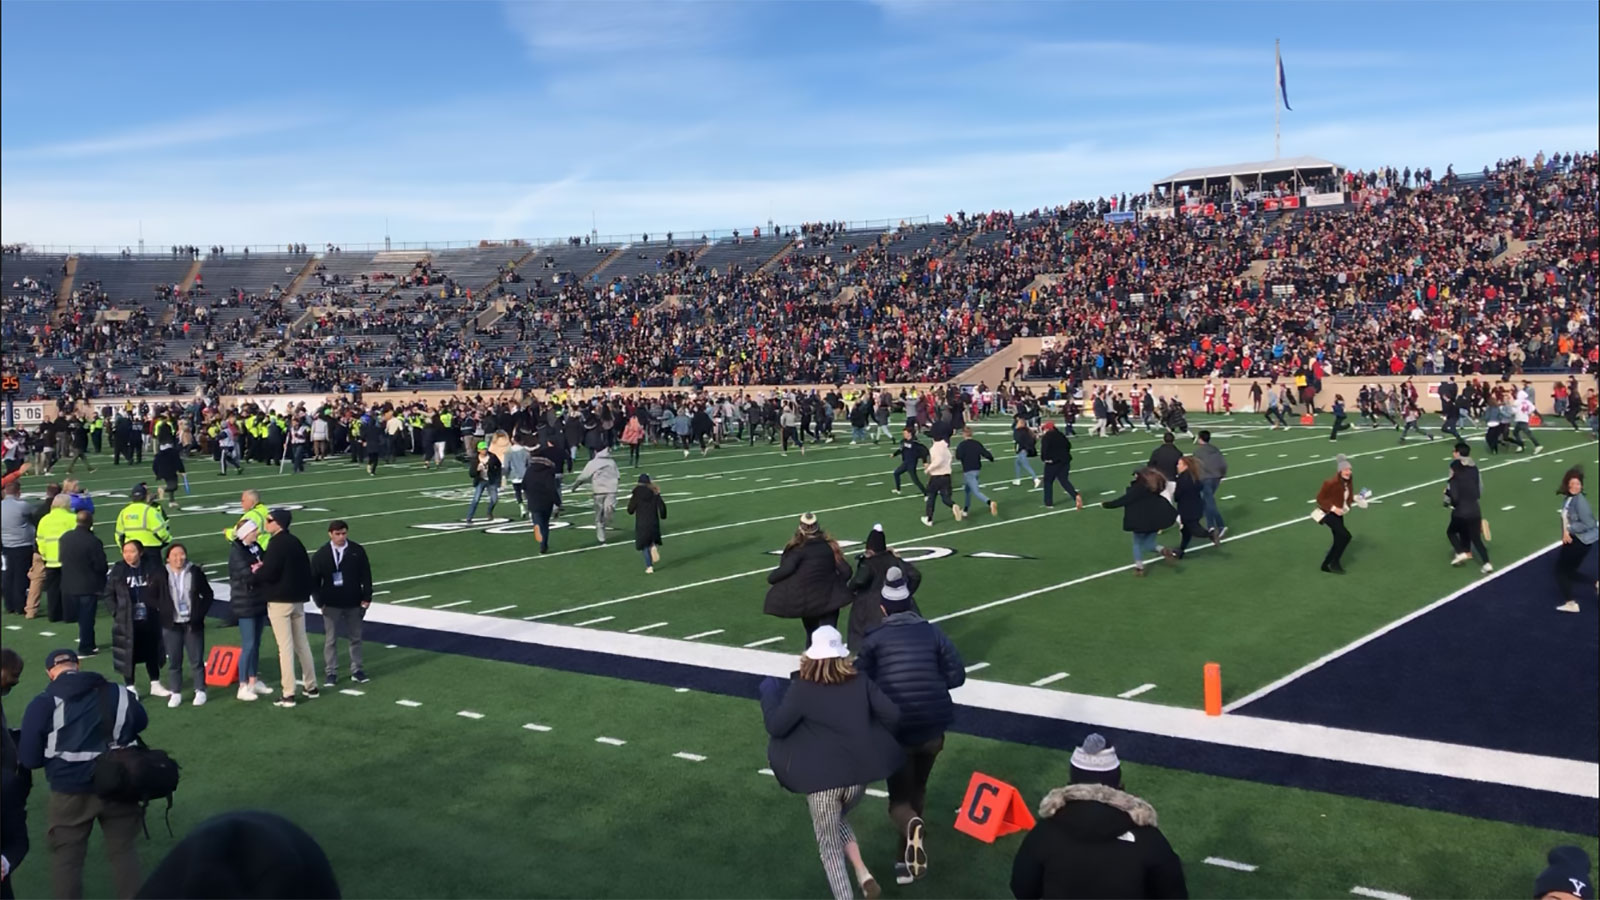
(1489, 274)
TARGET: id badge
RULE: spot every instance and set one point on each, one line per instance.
(338, 579)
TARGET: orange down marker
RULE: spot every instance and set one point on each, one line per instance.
(992, 809)
(1213, 689)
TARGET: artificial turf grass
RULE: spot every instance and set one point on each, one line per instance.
(1257, 605)
(419, 802)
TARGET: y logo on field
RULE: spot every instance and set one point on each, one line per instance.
(909, 554)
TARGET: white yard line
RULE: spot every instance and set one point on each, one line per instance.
(644, 628)
(469, 714)
(705, 634)
(588, 622)
(765, 641)
(352, 692)
(452, 603)
(534, 726)
(615, 742)
(497, 609)
(977, 666)
(1229, 864)
(1377, 894)
(413, 599)
(1367, 639)
(691, 757)
(407, 703)
(1050, 679)
(1141, 689)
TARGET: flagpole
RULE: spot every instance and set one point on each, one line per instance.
(1277, 101)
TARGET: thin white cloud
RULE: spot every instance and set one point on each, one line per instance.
(165, 136)
(595, 29)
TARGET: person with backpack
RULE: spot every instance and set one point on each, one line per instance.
(66, 730)
(917, 667)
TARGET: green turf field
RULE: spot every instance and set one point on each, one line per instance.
(487, 807)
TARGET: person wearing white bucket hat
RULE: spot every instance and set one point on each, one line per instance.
(832, 735)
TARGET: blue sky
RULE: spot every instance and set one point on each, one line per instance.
(247, 122)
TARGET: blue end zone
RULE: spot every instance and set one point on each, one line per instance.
(1497, 667)
(1521, 806)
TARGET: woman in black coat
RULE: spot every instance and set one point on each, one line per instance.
(1144, 513)
(182, 610)
(134, 588)
(832, 734)
(248, 605)
(1191, 506)
(541, 486)
(867, 585)
(647, 509)
(811, 580)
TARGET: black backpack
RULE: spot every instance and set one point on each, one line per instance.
(135, 773)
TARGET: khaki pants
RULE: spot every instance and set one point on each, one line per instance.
(35, 584)
(289, 630)
(70, 818)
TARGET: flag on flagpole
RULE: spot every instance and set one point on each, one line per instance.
(1283, 83)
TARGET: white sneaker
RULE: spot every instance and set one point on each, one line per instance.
(1487, 568)
(262, 688)
(157, 689)
(174, 701)
(134, 691)
(1038, 483)
(1016, 482)
(649, 570)
(1569, 606)
(927, 521)
(958, 512)
(1460, 558)
(246, 694)
(199, 698)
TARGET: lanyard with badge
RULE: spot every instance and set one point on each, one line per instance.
(338, 560)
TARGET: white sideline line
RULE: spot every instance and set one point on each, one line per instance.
(877, 792)
(469, 714)
(381, 593)
(1129, 695)
(1050, 679)
(534, 726)
(1003, 601)
(497, 609)
(645, 627)
(691, 757)
(765, 641)
(1229, 864)
(696, 637)
(452, 603)
(1376, 894)
(1402, 506)
(352, 692)
(977, 666)
(1508, 508)
(766, 772)
(615, 742)
(1367, 639)
(13, 627)
(409, 703)
(413, 599)
(1268, 499)
(593, 621)
(47, 634)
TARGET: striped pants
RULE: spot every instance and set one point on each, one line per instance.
(828, 811)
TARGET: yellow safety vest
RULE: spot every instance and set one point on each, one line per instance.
(258, 515)
(143, 523)
(55, 523)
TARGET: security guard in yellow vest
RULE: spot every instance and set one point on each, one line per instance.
(254, 511)
(47, 535)
(139, 521)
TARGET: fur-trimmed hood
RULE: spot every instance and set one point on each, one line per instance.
(1141, 812)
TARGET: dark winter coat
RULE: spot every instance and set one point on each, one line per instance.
(1191, 505)
(200, 599)
(285, 573)
(647, 509)
(168, 464)
(541, 483)
(915, 664)
(119, 597)
(971, 454)
(1164, 459)
(1025, 440)
(357, 572)
(828, 736)
(867, 584)
(809, 581)
(486, 470)
(1462, 492)
(245, 597)
(79, 695)
(1143, 511)
(83, 564)
(1054, 448)
(1096, 841)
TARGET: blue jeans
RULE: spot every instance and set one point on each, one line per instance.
(250, 652)
(969, 480)
(648, 562)
(297, 454)
(1208, 495)
(478, 490)
(88, 605)
(858, 435)
(541, 519)
(1144, 544)
(1021, 464)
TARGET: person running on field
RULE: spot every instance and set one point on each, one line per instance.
(1334, 500)
(917, 667)
(1340, 422)
(911, 452)
(938, 469)
(1463, 493)
(647, 509)
(872, 569)
(1413, 414)
(1055, 450)
(486, 471)
(1189, 498)
(602, 472)
(1579, 534)
(1145, 512)
(811, 580)
(541, 485)
(1027, 445)
(971, 452)
(831, 734)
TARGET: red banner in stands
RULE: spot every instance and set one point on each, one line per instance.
(1291, 202)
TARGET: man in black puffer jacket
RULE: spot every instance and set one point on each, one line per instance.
(915, 664)
(1095, 840)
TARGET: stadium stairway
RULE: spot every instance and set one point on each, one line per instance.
(777, 258)
(615, 254)
(992, 370)
(64, 292)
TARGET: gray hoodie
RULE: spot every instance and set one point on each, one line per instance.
(514, 463)
(602, 470)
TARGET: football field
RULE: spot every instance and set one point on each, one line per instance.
(476, 753)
